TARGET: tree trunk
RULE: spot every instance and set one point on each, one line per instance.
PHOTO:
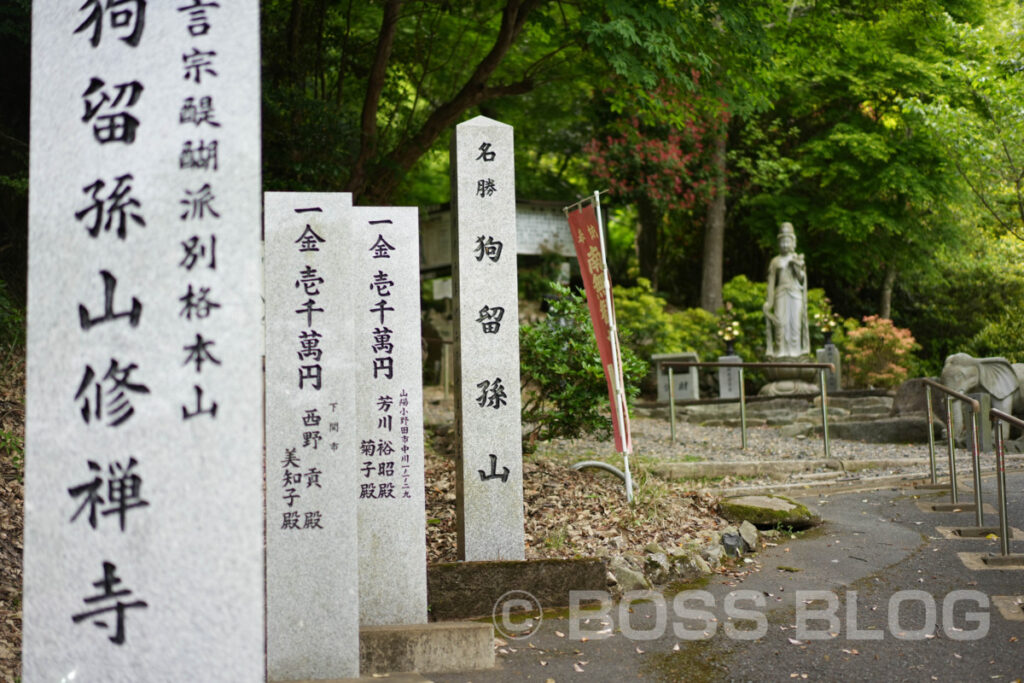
(374, 88)
(648, 224)
(389, 171)
(714, 233)
(885, 302)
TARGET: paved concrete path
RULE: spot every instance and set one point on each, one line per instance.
(874, 547)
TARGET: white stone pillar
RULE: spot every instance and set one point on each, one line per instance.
(312, 564)
(489, 502)
(144, 483)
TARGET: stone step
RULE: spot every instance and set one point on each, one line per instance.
(443, 646)
(466, 590)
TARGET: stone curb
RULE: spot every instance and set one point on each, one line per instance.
(813, 488)
(842, 486)
(698, 470)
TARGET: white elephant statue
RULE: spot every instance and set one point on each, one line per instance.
(997, 377)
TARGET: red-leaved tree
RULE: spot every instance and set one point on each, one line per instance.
(664, 166)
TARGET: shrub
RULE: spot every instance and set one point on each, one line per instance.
(745, 301)
(563, 385)
(12, 320)
(878, 353)
(698, 332)
(645, 326)
(1003, 337)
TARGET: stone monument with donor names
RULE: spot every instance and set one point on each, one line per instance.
(686, 380)
(489, 469)
(383, 254)
(143, 487)
(312, 532)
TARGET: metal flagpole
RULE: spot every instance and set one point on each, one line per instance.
(621, 413)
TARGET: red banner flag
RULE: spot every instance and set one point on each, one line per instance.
(589, 243)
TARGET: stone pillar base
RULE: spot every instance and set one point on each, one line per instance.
(438, 647)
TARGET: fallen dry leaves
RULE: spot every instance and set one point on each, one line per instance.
(575, 514)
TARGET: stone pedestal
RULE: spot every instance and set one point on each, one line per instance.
(830, 354)
(685, 379)
(729, 378)
(789, 381)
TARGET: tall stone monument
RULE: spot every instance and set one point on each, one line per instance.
(143, 486)
(383, 248)
(312, 564)
(787, 337)
(489, 472)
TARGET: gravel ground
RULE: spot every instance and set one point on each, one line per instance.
(652, 443)
(652, 439)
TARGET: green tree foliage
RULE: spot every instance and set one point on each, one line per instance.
(839, 156)
(15, 30)
(664, 147)
(956, 302)
(978, 123)
(563, 385)
(358, 94)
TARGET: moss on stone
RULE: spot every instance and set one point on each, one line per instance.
(770, 515)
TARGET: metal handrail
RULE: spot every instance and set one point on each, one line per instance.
(821, 367)
(1004, 525)
(979, 514)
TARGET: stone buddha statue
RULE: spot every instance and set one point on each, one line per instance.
(787, 338)
(785, 306)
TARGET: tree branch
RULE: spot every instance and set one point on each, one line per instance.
(472, 93)
(984, 201)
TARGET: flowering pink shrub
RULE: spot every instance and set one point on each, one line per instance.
(878, 354)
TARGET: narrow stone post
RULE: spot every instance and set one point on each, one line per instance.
(312, 566)
(388, 387)
(489, 502)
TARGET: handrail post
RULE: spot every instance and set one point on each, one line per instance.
(931, 434)
(979, 515)
(824, 411)
(671, 405)
(1004, 524)
(743, 412)
(952, 454)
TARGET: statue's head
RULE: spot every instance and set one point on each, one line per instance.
(787, 238)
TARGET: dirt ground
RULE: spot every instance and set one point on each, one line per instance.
(12, 434)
